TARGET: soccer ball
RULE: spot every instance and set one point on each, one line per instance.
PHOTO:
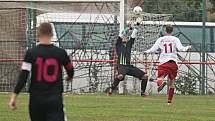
(137, 10)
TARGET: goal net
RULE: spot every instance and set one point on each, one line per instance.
(87, 30)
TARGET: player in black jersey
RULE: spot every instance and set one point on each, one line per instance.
(45, 63)
(123, 48)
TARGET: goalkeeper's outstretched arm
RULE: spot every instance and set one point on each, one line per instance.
(133, 36)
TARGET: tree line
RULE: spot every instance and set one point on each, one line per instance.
(182, 10)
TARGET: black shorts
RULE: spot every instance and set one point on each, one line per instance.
(46, 108)
(131, 71)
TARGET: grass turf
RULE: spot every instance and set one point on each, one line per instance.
(121, 108)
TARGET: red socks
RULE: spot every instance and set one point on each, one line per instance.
(170, 94)
(170, 91)
(159, 82)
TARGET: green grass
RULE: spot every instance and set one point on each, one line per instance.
(122, 108)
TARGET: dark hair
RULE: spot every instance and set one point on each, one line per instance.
(169, 29)
(45, 29)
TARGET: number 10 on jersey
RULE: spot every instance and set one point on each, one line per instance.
(42, 69)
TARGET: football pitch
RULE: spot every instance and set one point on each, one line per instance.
(98, 107)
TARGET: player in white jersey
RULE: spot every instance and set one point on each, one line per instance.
(169, 46)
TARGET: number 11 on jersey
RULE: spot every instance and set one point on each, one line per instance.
(168, 48)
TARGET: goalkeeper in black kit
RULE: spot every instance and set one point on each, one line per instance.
(45, 63)
(124, 67)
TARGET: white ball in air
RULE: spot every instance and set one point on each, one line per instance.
(137, 10)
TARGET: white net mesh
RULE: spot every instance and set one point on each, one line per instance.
(12, 45)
